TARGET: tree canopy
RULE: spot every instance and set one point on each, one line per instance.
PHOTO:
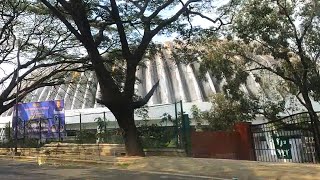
(33, 52)
(280, 37)
(121, 32)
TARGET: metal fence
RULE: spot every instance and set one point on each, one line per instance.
(287, 140)
(160, 129)
(92, 128)
(33, 133)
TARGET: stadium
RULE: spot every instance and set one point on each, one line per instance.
(179, 82)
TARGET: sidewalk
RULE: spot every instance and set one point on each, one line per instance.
(216, 168)
(228, 168)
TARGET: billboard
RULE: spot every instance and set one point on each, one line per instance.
(40, 120)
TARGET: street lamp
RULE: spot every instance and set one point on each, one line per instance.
(17, 99)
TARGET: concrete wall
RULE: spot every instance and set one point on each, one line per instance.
(77, 150)
(69, 149)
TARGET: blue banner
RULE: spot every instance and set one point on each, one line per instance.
(40, 120)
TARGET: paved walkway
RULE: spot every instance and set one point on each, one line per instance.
(202, 168)
(11, 170)
(229, 168)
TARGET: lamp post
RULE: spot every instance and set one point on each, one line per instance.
(17, 99)
(16, 128)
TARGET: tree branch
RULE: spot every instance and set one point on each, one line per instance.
(269, 68)
(145, 100)
(173, 18)
(298, 42)
(300, 100)
(63, 19)
(159, 9)
(123, 39)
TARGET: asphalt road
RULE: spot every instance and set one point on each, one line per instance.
(11, 169)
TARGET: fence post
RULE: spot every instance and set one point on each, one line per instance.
(80, 133)
(181, 116)
(181, 106)
(16, 129)
(9, 131)
(40, 132)
(186, 134)
(24, 132)
(59, 129)
(105, 123)
(105, 127)
(176, 124)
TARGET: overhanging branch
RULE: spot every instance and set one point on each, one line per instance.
(63, 19)
(145, 100)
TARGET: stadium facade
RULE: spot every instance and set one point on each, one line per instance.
(178, 82)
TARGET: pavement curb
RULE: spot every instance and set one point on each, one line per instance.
(46, 160)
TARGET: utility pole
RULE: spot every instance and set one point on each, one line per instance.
(17, 99)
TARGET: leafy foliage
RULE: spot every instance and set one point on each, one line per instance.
(86, 136)
(158, 135)
(286, 31)
(224, 113)
(107, 135)
(272, 41)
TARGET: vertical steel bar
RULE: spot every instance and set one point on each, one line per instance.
(105, 128)
(253, 144)
(9, 131)
(59, 129)
(80, 129)
(268, 149)
(24, 132)
(176, 124)
(17, 98)
(181, 114)
(40, 133)
(16, 127)
(105, 122)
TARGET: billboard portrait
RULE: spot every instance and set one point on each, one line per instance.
(40, 120)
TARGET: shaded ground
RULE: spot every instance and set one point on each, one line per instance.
(156, 168)
(10, 170)
(230, 168)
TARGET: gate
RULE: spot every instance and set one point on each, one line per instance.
(286, 140)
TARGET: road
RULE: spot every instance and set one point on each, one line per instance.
(11, 169)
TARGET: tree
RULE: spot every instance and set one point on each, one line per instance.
(280, 37)
(127, 27)
(245, 93)
(289, 32)
(225, 112)
(33, 53)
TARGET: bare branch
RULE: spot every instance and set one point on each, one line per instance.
(268, 68)
(63, 19)
(159, 9)
(145, 100)
(123, 39)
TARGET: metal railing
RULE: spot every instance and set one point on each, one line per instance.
(157, 131)
(287, 140)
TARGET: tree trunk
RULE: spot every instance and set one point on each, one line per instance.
(132, 142)
(130, 134)
(315, 124)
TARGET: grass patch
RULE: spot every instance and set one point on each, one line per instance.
(123, 165)
(64, 165)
